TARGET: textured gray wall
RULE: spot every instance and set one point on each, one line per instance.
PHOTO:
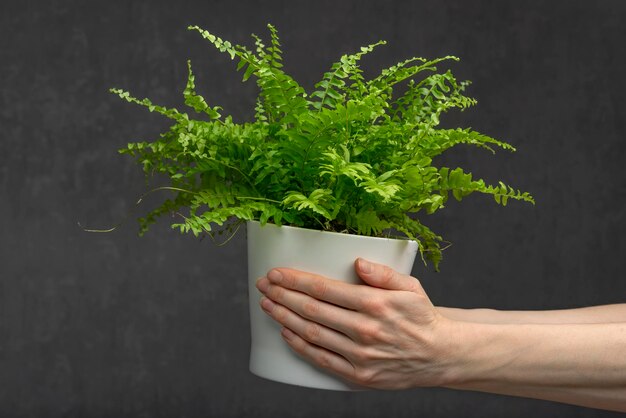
(99, 325)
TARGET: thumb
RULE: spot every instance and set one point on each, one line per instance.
(382, 276)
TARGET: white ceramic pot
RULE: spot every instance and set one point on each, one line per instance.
(326, 253)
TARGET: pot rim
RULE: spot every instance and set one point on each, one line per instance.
(342, 234)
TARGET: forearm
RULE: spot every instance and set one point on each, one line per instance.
(388, 335)
(577, 364)
(589, 315)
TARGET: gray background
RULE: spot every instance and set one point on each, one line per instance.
(95, 325)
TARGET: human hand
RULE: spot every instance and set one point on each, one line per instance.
(387, 335)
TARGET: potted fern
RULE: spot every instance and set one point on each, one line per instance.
(319, 177)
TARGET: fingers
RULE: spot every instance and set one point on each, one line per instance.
(305, 306)
(318, 355)
(379, 275)
(310, 331)
(338, 293)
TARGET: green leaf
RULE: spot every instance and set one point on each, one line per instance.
(195, 101)
(353, 155)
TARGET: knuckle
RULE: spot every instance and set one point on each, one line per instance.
(312, 333)
(280, 314)
(368, 332)
(376, 305)
(311, 308)
(386, 275)
(298, 346)
(276, 293)
(416, 285)
(416, 281)
(289, 280)
(365, 377)
(319, 288)
(362, 356)
(323, 360)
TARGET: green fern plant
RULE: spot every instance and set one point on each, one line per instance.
(350, 156)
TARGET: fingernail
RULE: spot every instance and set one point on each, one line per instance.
(267, 305)
(365, 266)
(263, 284)
(275, 276)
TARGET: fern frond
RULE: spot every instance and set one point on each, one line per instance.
(461, 185)
(196, 101)
(354, 156)
(318, 202)
(436, 142)
(283, 98)
(386, 189)
(397, 73)
(274, 51)
(341, 166)
(219, 43)
(367, 221)
(170, 113)
(332, 88)
(429, 242)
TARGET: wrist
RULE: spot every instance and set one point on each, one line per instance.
(474, 353)
(456, 345)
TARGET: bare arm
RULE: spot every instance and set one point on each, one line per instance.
(388, 335)
(587, 315)
(580, 364)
